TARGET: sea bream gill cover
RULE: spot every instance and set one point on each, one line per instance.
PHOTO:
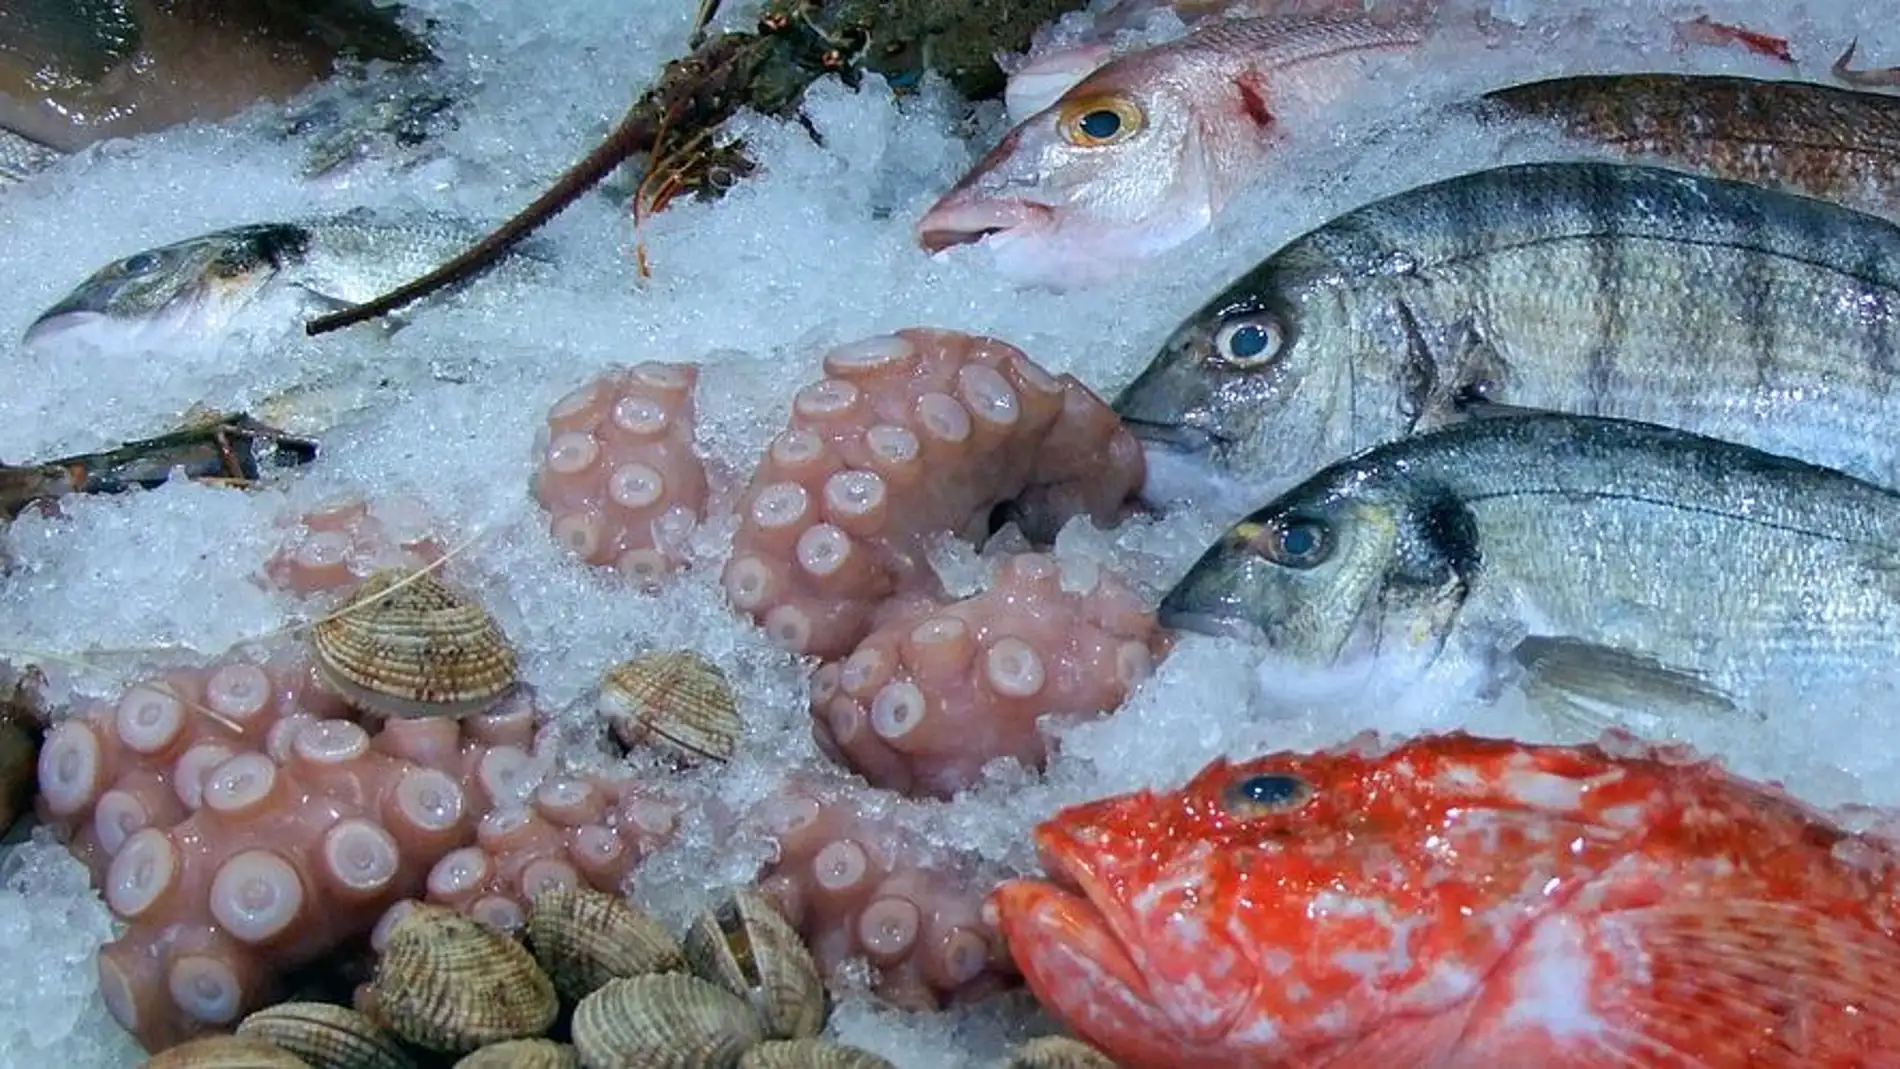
(1122, 534)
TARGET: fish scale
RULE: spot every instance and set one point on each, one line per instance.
(1622, 567)
(1594, 288)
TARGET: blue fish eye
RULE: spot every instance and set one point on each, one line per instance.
(1101, 124)
(1250, 342)
(138, 263)
(1291, 543)
(1268, 792)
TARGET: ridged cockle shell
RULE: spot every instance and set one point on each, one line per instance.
(447, 983)
(1057, 1052)
(664, 1021)
(324, 1035)
(810, 1054)
(225, 1052)
(418, 649)
(677, 701)
(583, 938)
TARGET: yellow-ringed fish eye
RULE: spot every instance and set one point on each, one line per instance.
(1094, 122)
(1290, 541)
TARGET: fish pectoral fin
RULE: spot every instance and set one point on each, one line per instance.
(1478, 408)
(1599, 686)
(1742, 975)
(1442, 386)
(315, 303)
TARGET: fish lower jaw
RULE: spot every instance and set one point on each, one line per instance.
(949, 225)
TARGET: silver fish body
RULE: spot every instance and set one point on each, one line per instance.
(22, 158)
(1593, 288)
(254, 277)
(1614, 564)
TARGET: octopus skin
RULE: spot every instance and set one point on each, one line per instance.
(930, 697)
(341, 542)
(857, 887)
(571, 831)
(617, 472)
(907, 437)
(243, 824)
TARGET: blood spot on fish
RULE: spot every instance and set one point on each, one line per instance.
(1253, 99)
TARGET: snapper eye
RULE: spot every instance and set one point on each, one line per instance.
(1250, 342)
(1097, 121)
(1267, 793)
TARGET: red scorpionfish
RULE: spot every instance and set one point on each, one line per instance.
(1455, 902)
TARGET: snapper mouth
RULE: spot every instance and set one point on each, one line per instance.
(955, 220)
(1064, 940)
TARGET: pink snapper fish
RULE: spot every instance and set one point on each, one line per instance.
(1140, 155)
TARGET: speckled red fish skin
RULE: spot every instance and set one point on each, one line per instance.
(1454, 902)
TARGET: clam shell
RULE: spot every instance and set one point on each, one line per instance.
(584, 938)
(678, 702)
(226, 1052)
(449, 984)
(425, 649)
(523, 1054)
(326, 1036)
(664, 1021)
(1057, 1052)
(747, 947)
(810, 1054)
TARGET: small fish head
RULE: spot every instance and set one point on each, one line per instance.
(1238, 395)
(1107, 175)
(159, 295)
(1291, 905)
(1347, 568)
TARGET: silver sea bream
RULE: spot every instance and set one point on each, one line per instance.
(253, 277)
(1608, 566)
(1593, 288)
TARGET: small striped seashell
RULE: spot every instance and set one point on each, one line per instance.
(584, 938)
(226, 1052)
(810, 1054)
(746, 946)
(327, 1036)
(1057, 1052)
(675, 701)
(450, 984)
(523, 1054)
(423, 649)
(664, 1021)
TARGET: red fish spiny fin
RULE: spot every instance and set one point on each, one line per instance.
(1694, 984)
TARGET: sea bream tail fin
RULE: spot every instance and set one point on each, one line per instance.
(1598, 687)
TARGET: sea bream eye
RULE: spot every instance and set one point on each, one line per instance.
(1250, 342)
(1267, 793)
(1291, 543)
(138, 263)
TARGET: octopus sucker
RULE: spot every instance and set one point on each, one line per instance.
(618, 471)
(861, 887)
(838, 517)
(928, 699)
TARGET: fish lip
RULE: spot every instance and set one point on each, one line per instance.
(1173, 435)
(955, 220)
(1200, 623)
(1066, 868)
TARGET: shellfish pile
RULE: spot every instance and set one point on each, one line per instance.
(594, 983)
